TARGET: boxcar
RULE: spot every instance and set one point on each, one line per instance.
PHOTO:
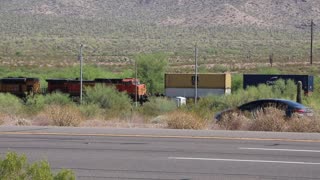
(20, 86)
(59, 85)
(73, 86)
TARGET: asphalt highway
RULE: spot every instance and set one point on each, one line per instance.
(97, 153)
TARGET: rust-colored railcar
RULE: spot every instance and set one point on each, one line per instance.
(20, 86)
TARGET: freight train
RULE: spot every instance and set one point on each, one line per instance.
(23, 86)
(175, 85)
(218, 84)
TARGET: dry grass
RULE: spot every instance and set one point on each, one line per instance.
(303, 124)
(185, 120)
(271, 119)
(63, 115)
(1, 119)
(13, 120)
(233, 121)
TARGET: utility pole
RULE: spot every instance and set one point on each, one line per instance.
(311, 47)
(196, 74)
(80, 59)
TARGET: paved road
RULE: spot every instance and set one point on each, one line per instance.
(168, 154)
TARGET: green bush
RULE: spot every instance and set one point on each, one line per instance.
(237, 82)
(109, 99)
(10, 104)
(151, 69)
(16, 167)
(158, 106)
(57, 98)
(37, 103)
(90, 110)
(206, 106)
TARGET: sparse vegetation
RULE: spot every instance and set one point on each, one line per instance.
(158, 106)
(113, 103)
(238, 37)
(270, 119)
(63, 115)
(10, 104)
(231, 35)
(15, 166)
(185, 120)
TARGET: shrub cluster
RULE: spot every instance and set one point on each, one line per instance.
(17, 167)
(185, 120)
(10, 104)
(107, 98)
(65, 115)
(158, 106)
(270, 119)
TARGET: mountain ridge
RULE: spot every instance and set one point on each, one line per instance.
(176, 12)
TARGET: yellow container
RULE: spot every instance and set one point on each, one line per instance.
(206, 81)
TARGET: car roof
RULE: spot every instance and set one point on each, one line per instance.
(284, 101)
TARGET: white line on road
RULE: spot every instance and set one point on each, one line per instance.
(243, 160)
(288, 150)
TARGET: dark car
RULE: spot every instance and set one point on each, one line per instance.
(289, 107)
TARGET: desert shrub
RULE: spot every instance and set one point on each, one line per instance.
(17, 167)
(269, 119)
(2, 117)
(10, 104)
(158, 106)
(57, 98)
(284, 89)
(220, 68)
(303, 124)
(109, 99)
(34, 104)
(233, 121)
(206, 106)
(237, 82)
(90, 110)
(37, 103)
(185, 120)
(251, 93)
(66, 115)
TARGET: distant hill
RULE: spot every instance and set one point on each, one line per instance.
(174, 12)
(122, 27)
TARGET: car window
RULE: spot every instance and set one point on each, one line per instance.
(273, 104)
(281, 106)
(249, 106)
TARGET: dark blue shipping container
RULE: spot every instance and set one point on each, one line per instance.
(269, 79)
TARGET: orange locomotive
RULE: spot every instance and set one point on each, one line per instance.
(72, 87)
(23, 86)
